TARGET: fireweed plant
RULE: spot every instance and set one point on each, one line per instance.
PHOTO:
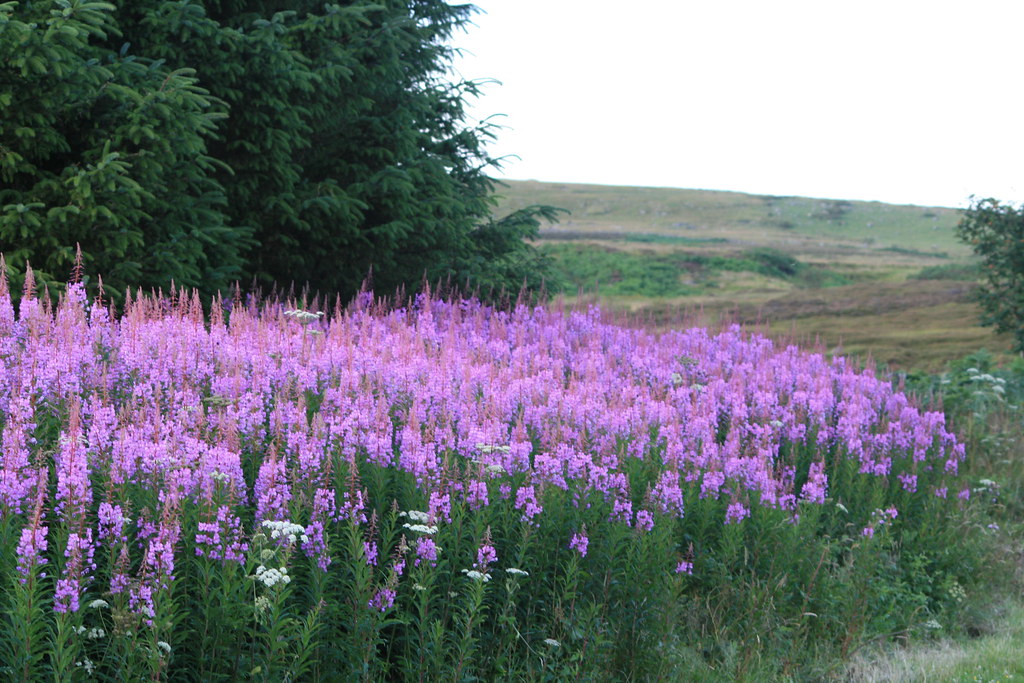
(446, 491)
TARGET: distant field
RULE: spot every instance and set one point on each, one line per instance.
(868, 279)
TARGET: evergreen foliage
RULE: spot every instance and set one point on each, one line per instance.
(109, 150)
(210, 140)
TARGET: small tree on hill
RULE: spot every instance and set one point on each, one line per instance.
(996, 233)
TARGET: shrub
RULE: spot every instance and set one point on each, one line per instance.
(995, 232)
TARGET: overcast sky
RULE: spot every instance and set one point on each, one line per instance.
(897, 100)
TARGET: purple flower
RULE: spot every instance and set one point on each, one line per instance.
(815, 489)
(426, 549)
(316, 544)
(140, 601)
(222, 539)
(112, 522)
(622, 511)
(711, 484)
(644, 520)
(382, 600)
(667, 494)
(485, 555)
(736, 512)
(370, 550)
(476, 494)
(526, 500)
(684, 567)
(440, 506)
(579, 543)
(272, 490)
(77, 570)
(30, 550)
(353, 507)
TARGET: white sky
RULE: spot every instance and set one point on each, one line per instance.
(902, 101)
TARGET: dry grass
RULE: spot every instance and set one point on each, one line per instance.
(994, 656)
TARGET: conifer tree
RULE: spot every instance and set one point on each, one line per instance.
(205, 140)
(108, 150)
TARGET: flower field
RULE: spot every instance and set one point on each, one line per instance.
(445, 491)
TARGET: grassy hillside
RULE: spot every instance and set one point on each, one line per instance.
(869, 279)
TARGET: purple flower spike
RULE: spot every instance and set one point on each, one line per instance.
(579, 543)
(736, 512)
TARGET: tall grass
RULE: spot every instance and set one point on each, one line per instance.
(445, 491)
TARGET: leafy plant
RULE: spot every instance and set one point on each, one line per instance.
(996, 233)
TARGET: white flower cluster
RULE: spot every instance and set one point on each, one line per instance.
(165, 647)
(957, 592)
(304, 316)
(476, 576)
(94, 633)
(517, 572)
(87, 665)
(420, 522)
(96, 604)
(287, 530)
(416, 516)
(490, 448)
(271, 577)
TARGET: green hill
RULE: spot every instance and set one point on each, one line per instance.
(870, 279)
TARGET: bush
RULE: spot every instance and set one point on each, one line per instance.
(951, 271)
(996, 233)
